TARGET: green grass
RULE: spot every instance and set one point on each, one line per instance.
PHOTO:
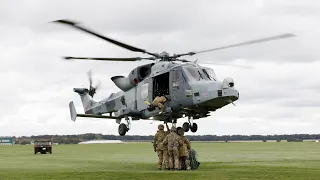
(139, 161)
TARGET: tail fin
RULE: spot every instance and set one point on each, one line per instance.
(73, 111)
(87, 102)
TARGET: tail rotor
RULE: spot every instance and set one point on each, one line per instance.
(92, 90)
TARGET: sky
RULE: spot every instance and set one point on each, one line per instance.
(278, 95)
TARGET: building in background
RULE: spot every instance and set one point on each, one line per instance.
(6, 140)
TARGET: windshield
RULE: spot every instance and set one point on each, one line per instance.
(210, 74)
(195, 74)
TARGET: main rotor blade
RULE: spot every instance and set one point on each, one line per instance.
(220, 64)
(223, 64)
(287, 35)
(126, 46)
(108, 59)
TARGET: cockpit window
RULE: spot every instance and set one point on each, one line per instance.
(210, 74)
(195, 74)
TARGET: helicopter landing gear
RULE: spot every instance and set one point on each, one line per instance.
(194, 127)
(124, 128)
(190, 125)
(174, 122)
(186, 127)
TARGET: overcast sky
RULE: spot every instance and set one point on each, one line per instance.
(279, 95)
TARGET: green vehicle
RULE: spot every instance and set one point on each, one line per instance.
(43, 147)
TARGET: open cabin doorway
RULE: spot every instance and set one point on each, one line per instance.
(161, 84)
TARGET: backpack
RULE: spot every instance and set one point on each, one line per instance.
(193, 157)
(194, 163)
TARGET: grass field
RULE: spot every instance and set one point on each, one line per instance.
(138, 161)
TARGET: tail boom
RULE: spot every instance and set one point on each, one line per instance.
(74, 114)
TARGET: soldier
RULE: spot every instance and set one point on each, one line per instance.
(172, 141)
(184, 150)
(165, 150)
(158, 146)
(159, 101)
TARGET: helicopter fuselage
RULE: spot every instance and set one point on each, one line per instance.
(193, 91)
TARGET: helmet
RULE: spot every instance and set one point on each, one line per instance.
(180, 131)
(173, 129)
(160, 127)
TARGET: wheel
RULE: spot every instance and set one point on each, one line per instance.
(122, 129)
(186, 127)
(194, 127)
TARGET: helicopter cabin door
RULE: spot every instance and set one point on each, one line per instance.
(176, 87)
(144, 94)
(161, 84)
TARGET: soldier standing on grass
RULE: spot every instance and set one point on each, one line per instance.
(172, 141)
(158, 146)
(184, 151)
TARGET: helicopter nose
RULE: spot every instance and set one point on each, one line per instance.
(228, 82)
(232, 93)
(228, 90)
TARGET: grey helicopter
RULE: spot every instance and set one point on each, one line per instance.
(192, 90)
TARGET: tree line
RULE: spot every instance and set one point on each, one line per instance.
(75, 139)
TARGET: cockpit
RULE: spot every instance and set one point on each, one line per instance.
(210, 73)
(199, 74)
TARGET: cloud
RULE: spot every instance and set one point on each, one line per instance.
(278, 95)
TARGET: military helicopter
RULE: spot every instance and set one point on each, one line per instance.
(192, 90)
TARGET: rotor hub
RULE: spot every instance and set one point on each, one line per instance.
(164, 56)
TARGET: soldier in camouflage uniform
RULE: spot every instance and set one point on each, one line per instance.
(158, 146)
(184, 150)
(172, 141)
(159, 101)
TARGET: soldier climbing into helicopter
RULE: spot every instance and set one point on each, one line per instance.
(159, 101)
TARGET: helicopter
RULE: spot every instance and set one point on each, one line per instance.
(191, 90)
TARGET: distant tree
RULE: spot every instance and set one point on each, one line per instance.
(294, 140)
(74, 139)
(24, 142)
